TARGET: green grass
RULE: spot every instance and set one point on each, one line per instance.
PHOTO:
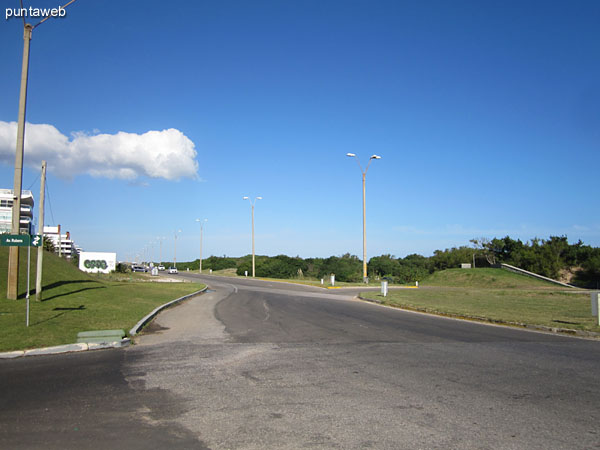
(75, 301)
(485, 278)
(496, 295)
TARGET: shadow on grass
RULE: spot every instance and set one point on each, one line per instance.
(72, 292)
(62, 283)
(56, 316)
(79, 308)
(57, 284)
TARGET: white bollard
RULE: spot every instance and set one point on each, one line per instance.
(384, 288)
(595, 305)
(332, 280)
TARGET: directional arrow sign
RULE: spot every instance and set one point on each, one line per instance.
(36, 240)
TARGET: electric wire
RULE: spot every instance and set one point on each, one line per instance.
(50, 203)
(47, 17)
(34, 181)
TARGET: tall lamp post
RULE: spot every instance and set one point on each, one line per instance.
(13, 252)
(160, 241)
(252, 203)
(364, 176)
(175, 250)
(202, 222)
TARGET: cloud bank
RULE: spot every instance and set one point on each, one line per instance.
(167, 154)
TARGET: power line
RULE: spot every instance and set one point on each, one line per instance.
(49, 202)
(34, 181)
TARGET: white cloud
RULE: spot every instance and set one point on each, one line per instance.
(165, 154)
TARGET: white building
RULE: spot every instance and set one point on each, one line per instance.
(63, 244)
(6, 205)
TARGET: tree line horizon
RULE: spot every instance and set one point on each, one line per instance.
(553, 257)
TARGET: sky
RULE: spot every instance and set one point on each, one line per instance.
(152, 114)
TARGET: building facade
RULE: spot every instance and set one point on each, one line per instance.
(63, 244)
(6, 207)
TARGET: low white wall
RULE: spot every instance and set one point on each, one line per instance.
(534, 275)
(97, 262)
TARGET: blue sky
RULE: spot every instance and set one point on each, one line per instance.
(486, 115)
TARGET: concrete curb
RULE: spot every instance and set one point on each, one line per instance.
(67, 348)
(539, 328)
(82, 347)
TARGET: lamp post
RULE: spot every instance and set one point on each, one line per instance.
(13, 252)
(175, 250)
(160, 241)
(202, 222)
(252, 203)
(364, 176)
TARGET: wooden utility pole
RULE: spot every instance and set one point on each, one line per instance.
(38, 279)
(13, 252)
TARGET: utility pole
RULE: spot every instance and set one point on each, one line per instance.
(13, 252)
(40, 257)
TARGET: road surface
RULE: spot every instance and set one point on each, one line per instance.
(258, 365)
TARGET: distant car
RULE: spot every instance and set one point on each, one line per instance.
(172, 270)
(138, 269)
(161, 267)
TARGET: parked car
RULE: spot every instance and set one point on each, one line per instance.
(138, 269)
(172, 269)
(161, 267)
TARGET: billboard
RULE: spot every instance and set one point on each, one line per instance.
(97, 262)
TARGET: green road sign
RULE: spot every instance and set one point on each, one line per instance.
(15, 240)
(20, 240)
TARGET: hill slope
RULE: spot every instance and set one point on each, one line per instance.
(57, 273)
(484, 278)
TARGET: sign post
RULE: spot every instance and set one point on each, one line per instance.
(23, 240)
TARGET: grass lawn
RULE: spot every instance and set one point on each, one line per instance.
(496, 295)
(74, 301)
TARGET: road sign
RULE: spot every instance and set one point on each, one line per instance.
(20, 240)
(36, 240)
(15, 240)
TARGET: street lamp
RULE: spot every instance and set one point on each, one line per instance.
(160, 241)
(13, 252)
(364, 175)
(202, 222)
(252, 203)
(175, 250)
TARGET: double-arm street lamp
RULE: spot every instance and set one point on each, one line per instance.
(13, 252)
(364, 176)
(202, 222)
(252, 203)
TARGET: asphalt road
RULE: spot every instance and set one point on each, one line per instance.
(260, 365)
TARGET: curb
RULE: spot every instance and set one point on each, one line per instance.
(82, 347)
(484, 320)
(67, 348)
